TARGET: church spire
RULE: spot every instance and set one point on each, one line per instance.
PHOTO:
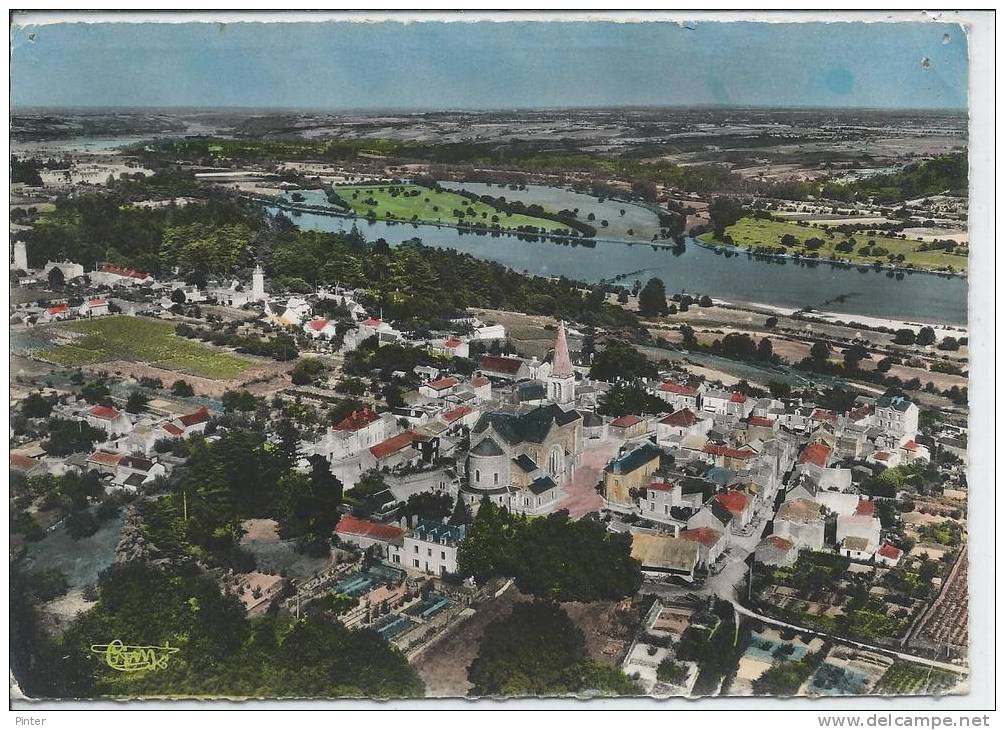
(561, 366)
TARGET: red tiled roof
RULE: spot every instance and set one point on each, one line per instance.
(199, 416)
(865, 507)
(173, 429)
(96, 303)
(881, 455)
(705, 535)
(682, 418)
(356, 420)
(443, 383)
(495, 363)
(780, 542)
(123, 271)
(911, 445)
(104, 412)
(816, 453)
(394, 444)
(479, 380)
(678, 389)
(373, 322)
(318, 324)
(350, 525)
(737, 397)
(889, 551)
(822, 414)
(858, 413)
(660, 486)
(107, 457)
(626, 421)
(762, 421)
(733, 501)
(453, 342)
(459, 412)
(22, 462)
(59, 309)
(727, 451)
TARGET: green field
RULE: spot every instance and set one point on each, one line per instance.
(423, 205)
(141, 340)
(755, 232)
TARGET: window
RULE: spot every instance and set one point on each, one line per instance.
(415, 562)
(478, 475)
(495, 478)
(443, 555)
(429, 552)
(416, 548)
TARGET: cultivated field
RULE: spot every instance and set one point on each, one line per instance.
(755, 232)
(414, 202)
(139, 340)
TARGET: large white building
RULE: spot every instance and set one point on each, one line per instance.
(897, 417)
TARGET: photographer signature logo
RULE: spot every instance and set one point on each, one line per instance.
(124, 658)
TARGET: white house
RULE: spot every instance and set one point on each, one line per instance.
(897, 417)
(431, 548)
(111, 420)
(863, 526)
(93, 308)
(356, 432)
(69, 269)
(680, 395)
(801, 522)
(658, 500)
(676, 427)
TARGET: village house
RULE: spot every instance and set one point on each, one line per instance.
(431, 548)
(801, 521)
(93, 308)
(858, 535)
(69, 269)
(662, 555)
(452, 347)
(628, 427)
(728, 457)
(723, 402)
(365, 534)
(111, 420)
(680, 395)
(658, 500)
(321, 329)
(133, 472)
(439, 388)
(711, 543)
(897, 417)
(356, 432)
(681, 425)
(776, 551)
(713, 516)
(504, 368)
(112, 275)
(738, 504)
(889, 555)
(631, 471)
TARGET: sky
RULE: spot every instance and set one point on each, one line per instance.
(489, 65)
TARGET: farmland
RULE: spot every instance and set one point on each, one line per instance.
(419, 204)
(139, 340)
(866, 248)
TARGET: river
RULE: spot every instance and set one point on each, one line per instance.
(616, 252)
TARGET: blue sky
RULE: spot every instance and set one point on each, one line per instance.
(434, 65)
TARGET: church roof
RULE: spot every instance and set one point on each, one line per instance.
(561, 366)
(522, 426)
(487, 447)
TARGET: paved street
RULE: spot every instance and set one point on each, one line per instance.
(581, 494)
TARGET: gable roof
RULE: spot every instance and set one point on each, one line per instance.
(172, 429)
(487, 447)
(541, 485)
(737, 397)
(196, 417)
(317, 324)
(443, 383)
(705, 535)
(889, 551)
(525, 463)
(350, 525)
(21, 462)
(678, 388)
(123, 271)
(727, 451)
(459, 412)
(357, 420)
(500, 364)
(106, 457)
(105, 413)
(762, 421)
(532, 426)
(897, 402)
(393, 445)
(635, 459)
(816, 453)
(865, 507)
(683, 418)
(626, 421)
(733, 500)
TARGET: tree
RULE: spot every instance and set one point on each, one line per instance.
(705, 301)
(80, 524)
(884, 365)
(56, 278)
(137, 402)
(428, 506)
(779, 389)
(538, 651)
(770, 323)
(239, 400)
(178, 296)
(671, 672)
(722, 213)
(96, 392)
(905, 337)
(71, 437)
(653, 299)
(619, 360)
(853, 356)
(182, 389)
(36, 406)
(950, 344)
(461, 514)
(819, 352)
(926, 336)
(765, 352)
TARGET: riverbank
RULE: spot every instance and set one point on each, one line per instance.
(719, 247)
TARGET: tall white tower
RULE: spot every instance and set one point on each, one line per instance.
(562, 381)
(258, 284)
(21, 255)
